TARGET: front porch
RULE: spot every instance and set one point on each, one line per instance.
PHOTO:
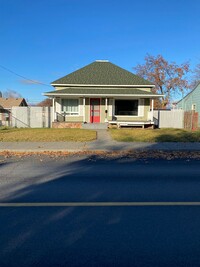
(101, 113)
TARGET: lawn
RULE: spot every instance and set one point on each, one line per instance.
(156, 135)
(45, 135)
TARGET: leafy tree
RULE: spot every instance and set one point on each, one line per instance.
(169, 78)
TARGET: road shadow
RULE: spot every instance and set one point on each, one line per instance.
(178, 137)
(3, 162)
(98, 236)
(100, 178)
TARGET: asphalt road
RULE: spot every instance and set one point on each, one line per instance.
(106, 235)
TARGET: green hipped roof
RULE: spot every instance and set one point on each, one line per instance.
(88, 91)
(102, 73)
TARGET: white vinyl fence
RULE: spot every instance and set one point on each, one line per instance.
(169, 118)
(41, 117)
(33, 117)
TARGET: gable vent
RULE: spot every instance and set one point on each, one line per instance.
(102, 60)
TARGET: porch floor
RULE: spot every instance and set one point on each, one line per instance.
(132, 123)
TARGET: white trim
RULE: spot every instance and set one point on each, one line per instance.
(130, 116)
(53, 106)
(101, 85)
(131, 122)
(110, 107)
(194, 106)
(106, 109)
(101, 60)
(84, 109)
(102, 95)
(70, 115)
(152, 103)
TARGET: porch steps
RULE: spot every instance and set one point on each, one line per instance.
(95, 126)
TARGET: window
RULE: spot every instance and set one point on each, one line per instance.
(194, 107)
(70, 106)
(126, 107)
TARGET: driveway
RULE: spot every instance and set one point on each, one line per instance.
(106, 235)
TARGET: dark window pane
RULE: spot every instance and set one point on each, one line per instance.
(126, 107)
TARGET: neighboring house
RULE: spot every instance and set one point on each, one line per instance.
(5, 108)
(102, 92)
(191, 101)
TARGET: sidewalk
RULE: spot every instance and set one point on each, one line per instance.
(103, 143)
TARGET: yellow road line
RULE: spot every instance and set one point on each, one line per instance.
(97, 204)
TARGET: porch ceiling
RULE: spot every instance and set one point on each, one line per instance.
(105, 92)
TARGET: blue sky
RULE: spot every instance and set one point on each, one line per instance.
(44, 40)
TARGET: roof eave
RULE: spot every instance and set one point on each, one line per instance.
(105, 95)
(102, 85)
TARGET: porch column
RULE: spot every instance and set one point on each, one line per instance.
(84, 109)
(53, 111)
(152, 104)
(106, 109)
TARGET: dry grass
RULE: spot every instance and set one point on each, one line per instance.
(45, 135)
(156, 135)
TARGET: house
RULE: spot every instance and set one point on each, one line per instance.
(102, 93)
(6, 105)
(191, 102)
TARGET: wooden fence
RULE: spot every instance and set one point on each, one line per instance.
(191, 120)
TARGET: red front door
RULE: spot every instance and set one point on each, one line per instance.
(94, 110)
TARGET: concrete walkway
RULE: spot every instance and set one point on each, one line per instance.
(104, 142)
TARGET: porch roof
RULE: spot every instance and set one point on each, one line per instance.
(105, 92)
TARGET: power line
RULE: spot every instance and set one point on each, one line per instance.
(25, 78)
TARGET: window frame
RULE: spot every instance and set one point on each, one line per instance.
(194, 106)
(70, 113)
(138, 104)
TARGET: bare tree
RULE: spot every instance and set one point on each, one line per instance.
(47, 102)
(196, 77)
(9, 93)
(169, 78)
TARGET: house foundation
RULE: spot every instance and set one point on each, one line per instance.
(66, 124)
